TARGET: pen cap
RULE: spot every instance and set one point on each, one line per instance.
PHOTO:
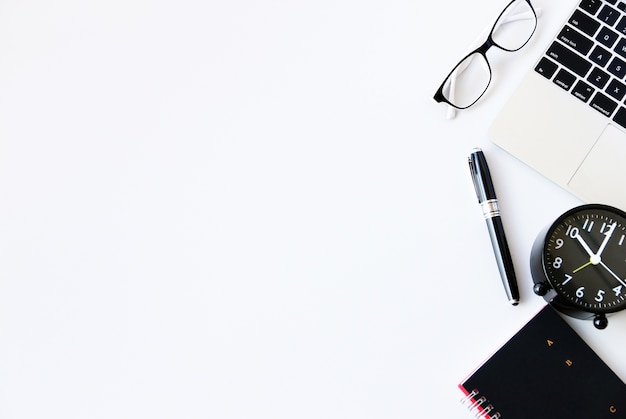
(481, 176)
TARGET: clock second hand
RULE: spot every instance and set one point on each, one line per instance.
(582, 267)
(613, 273)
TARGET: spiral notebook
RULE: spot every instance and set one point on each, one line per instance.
(545, 370)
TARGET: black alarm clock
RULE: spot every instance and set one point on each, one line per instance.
(578, 263)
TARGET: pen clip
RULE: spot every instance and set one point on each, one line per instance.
(474, 171)
(481, 176)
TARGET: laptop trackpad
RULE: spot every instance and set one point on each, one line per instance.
(602, 176)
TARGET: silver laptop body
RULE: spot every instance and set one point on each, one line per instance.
(567, 118)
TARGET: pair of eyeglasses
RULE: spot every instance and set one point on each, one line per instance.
(470, 78)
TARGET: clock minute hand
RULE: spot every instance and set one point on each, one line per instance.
(606, 240)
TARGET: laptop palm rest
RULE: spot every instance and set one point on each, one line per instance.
(561, 138)
(602, 177)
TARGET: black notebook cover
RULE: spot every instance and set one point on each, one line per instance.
(545, 371)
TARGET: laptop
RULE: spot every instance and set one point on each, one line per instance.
(567, 119)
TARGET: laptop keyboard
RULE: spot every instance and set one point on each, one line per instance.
(588, 57)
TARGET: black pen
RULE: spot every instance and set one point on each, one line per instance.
(489, 203)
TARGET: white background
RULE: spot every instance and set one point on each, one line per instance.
(246, 209)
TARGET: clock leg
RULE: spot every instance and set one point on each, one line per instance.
(541, 288)
(600, 321)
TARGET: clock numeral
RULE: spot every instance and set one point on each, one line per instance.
(580, 292)
(600, 296)
(588, 225)
(567, 279)
(557, 263)
(560, 243)
(572, 231)
(621, 241)
(617, 290)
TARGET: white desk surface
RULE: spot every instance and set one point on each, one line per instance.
(252, 209)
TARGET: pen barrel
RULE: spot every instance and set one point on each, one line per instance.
(503, 257)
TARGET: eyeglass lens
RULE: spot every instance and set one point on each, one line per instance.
(468, 81)
(515, 26)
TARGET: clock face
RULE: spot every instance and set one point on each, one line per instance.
(584, 258)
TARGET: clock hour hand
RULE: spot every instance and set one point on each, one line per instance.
(606, 240)
(593, 258)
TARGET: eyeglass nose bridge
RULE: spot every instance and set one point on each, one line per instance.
(486, 46)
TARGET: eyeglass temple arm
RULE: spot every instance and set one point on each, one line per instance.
(506, 19)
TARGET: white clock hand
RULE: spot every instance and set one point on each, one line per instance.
(593, 258)
(606, 240)
(621, 281)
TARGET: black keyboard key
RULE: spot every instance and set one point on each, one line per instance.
(616, 89)
(609, 15)
(599, 78)
(546, 68)
(603, 104)
(620, 117)
(622, 6)
(621, 26)
(568, 58)
(583, 91)
(621, 47)
(617, 68)
(575, 40)
(600, 56)
(584, 23)
(591, 6)
(607, 37)
(564, 79)
(611, 1)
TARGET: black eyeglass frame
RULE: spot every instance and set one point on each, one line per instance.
(482, 50)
